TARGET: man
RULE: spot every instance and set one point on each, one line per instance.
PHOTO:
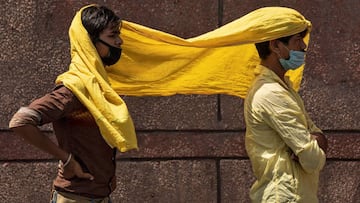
(285, 148)
(79, 108)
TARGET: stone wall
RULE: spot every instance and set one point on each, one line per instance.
(191, 146)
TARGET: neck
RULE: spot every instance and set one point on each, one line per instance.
(273, 64)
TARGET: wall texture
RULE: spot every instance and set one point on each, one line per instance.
(191, 146)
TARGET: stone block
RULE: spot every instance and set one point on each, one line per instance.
(231, 113)
(188, 145)
(236, 179)
(166, 181)
(179, 112)
(26, 181)
(183, 18)
(340, 182)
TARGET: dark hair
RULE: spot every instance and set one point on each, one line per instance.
(96, 18)
(263, 47)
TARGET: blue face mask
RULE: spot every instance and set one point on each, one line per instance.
(297, 58)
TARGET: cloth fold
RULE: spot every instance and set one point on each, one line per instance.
(88, 80)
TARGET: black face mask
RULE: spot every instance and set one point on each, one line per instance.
(113, 56)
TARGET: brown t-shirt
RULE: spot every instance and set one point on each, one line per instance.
(77, 133)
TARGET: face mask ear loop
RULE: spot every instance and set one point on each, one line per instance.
(286, 49)
(102, 41)
(278, 52)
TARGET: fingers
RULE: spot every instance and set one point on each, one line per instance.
(65, 172)
(60, 170)
(86, 176)
(71, 170)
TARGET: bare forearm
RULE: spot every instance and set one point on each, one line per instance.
(34, 136)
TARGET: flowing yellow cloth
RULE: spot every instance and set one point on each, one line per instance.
(222, 61)
(88, 80)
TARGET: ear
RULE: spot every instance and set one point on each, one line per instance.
(94, 39)
(274, 46)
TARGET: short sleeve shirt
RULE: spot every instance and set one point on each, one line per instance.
(77, 133)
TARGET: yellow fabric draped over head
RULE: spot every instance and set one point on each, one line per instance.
(222, 61)
(88, 80)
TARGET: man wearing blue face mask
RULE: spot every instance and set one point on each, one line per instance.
(286, 149)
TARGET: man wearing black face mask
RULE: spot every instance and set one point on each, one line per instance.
(106, 39)
(86, 170)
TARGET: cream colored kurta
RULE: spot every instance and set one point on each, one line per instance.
(277, 125)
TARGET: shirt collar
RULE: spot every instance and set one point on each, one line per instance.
(263, 70)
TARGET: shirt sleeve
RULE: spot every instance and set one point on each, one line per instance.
(25, 116)
(52, 106)
(312, 127)
(282, 112)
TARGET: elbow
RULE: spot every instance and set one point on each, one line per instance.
(312, 158)
(314, 166)
(24, 117)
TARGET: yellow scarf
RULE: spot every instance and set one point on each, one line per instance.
(222, 61)
(88, 80)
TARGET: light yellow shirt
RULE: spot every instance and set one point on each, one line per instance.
(277, 125)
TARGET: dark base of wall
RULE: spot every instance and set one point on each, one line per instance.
(177, 167)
